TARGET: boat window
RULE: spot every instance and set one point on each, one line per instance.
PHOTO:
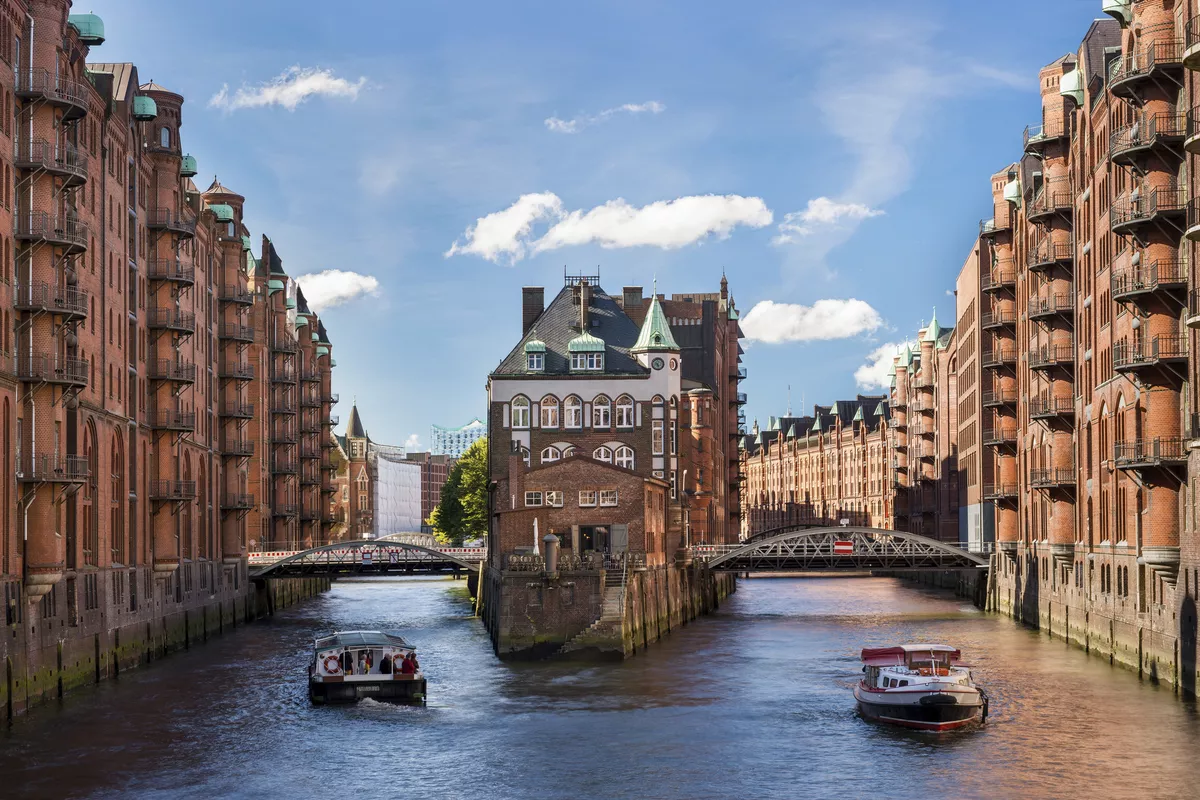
(904, 683)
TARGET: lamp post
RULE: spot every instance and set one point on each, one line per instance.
(685, 555)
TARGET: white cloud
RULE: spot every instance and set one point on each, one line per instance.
(577, 124)
(874, 373)
(333, 287)
(289, 89)
(773, 322)
(668, 224)
(413, 443)
(821, 212)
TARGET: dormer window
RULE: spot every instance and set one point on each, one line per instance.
(537, 362)
(587, 353)
(535, 355)
(587, 362)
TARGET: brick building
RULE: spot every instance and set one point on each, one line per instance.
(435, 469)
(126, 297)
(384, 491)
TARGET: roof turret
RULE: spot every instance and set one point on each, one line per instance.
(655, 333)
(933, 331)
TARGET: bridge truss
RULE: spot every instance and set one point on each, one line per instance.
(369, 557)
(839, 550)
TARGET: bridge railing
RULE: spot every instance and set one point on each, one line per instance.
(354, 555)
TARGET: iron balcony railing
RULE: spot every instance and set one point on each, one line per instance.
(999, 397)
(64, 159)
(283, 466)
(51, 468)
(237, 410)
(331, 397)
(283, 376)
(41, 226)
(310, 426)
(1054, 305)
(1126, 143)
(1164, 347)
(235, 332)
(307, 451)
(739, 399)
(999, 491)
(1048, 407)
(1165, 274)
(1150, 452)
(167, 419)
(41, 296)
(1127, 72)
(333, 420)
(168, 269)
(237, 446)
(999, 357)
(172, 490)
(164, 369)
(310, 401)
(991, 227)
(236, 370)
(309, 478)
(168, 220)
(1055, 197)
(999, 434)
(284, 436)
(1128, 211)
(171, 319)
(283, 405)
(1052, 355)
(997, 319)
(234, 294)
(308, 514)
(1050, 478)
(69, 94)
(1049, 252)
(280, 343)
(285, 509)
(310, 375)
(237, 502)
(52, 369)
(1193, 307)
(1191, 35)
(739, 374)
(998, 278)
(1038, 136)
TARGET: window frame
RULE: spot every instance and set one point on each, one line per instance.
(572, 409)
(552, 495)
(625, 407)
(520, 402)
(555, 453)
(586, 503)
(618, 454)
(535, 362)
(613, 501)
(657, 438)
(531, 496)
(600, 452)
(601, 403)
(550, 408)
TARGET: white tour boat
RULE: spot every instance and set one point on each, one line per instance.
(351, 665)
(919, 686)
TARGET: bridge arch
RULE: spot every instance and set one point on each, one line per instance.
(316, 559)
(799, 549)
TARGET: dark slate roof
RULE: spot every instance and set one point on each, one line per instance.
(301, 303)
(1103, 34)
(559, 324)
(354, 426)
(322, 336)
(124, 76)
(274, 262)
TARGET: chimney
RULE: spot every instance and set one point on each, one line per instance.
(533, 302)
(631, 297)
(585, 299)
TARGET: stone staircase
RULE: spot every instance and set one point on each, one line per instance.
(606, 632)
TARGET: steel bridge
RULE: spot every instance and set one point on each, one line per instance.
(838, 549)
(365, 557)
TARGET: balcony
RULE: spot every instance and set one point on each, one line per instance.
(1168, 276)
(1051, 356)
(232, 331)
(234, 294)
(1057, 305)
(310, 426)
(1054, 198)
(990, 228)
(739, 374)
(284, 436)
(1193, 316)
(1056, 478)
(1159, 206)
(235, 447)
(310, 375)
(1048, 254)
(283, 376)
(165, 369)
(51, 468)
(172, 491)
(164, 219)
(999, 397)
(65, 161)
(1000, 435)
(991, 320)
(309, 452)
(237, 410)
(333, 420)
(310, 401)
(310, 479)
(1051, 408)
(236, 371)
(66, 232)
(331, 397)
(165, 419)
(1000, 491)
(1038, 137)
(282, 344)
(998, 357)
(1148, 453)
(285, 509)
(998, 279)
(1162, 350)
(237, 502)
(42, 297)
(738, 399)
(58, 370)
(1132, 74)
(41, 84)
(170, 319)
(1128, 146)
(283, 405)
(1191, 43)
(308, 514)
(168, 269)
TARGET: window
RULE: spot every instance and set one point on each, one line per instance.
(624, 411)
(602, 453)
(549, 412)
(573, 412)
(608, 497)
(537, 362)
(674, 437)
(624, 457)
(568, 451)
(656, 438)
(533, 499)
(520, 412)
(587, 499)
(551, 454)
(554, 499)
(587, 361)
(165, 137)
(601, 412)
(674, 487)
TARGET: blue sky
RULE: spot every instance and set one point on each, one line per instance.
(822, 151)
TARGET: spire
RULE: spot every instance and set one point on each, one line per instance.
(354, 426)
(656, 333)
(933, 332)
(858, 415)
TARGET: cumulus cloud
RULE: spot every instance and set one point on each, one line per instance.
(773, 322)
(874, 373)
(333, 287)
(413, 443)
(821, 212)
(668, 224)
(289, 89)
(576, 124)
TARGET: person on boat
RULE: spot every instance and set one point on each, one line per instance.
(347, 662)
(385, 664)
(409, 665)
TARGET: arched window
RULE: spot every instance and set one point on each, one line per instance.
(602, 453)
(568, 451)
(624, 411)
(601, 412)
(549, 411)
(525, 455)
(572, 412)
(624, 457)
(550, 454)
(164, 136)
(520, 412)
(115, 499)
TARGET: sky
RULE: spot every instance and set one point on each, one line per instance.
(416, 164)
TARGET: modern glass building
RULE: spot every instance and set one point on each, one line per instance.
(454, 441)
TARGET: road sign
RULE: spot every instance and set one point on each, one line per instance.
(843, 548)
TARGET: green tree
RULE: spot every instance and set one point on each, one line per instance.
(461, 514)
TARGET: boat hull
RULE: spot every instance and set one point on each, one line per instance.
(387, 690)
(928, 711)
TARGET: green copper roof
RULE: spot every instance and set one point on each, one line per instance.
(880, 410)
(316, 337)
(792, 431)
(1120, 10)
(322, 350)
(817, 424)
(187, 166)
(222, 211)
(289, 303)
(656, 333)
(1071, 85)
(892, 369)
(246, 243)
(733, 314)
(586, 343)
(772, 423)
(758, 439)
(333, 362)
(906, 357)
(858, 415)
(535, 346)
(301, 320)
(933, 331)
(90, 27)
(144, 108)
(273, 287)
(1012, 191)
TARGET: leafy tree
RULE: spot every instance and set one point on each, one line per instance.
(461, 514)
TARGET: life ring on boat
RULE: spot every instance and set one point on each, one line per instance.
(333, 665)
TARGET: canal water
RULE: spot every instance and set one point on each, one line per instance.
(754, 701)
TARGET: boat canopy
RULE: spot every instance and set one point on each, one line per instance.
(361, 639)
(898, 656)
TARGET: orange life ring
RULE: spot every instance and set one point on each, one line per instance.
(336, 667)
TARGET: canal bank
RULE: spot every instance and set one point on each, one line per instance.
(44, 661)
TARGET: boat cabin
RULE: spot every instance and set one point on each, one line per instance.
(363, 656)
(897, 667)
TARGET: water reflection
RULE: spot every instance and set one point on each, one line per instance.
(752, 701)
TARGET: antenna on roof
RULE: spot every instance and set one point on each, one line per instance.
(789, 408)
